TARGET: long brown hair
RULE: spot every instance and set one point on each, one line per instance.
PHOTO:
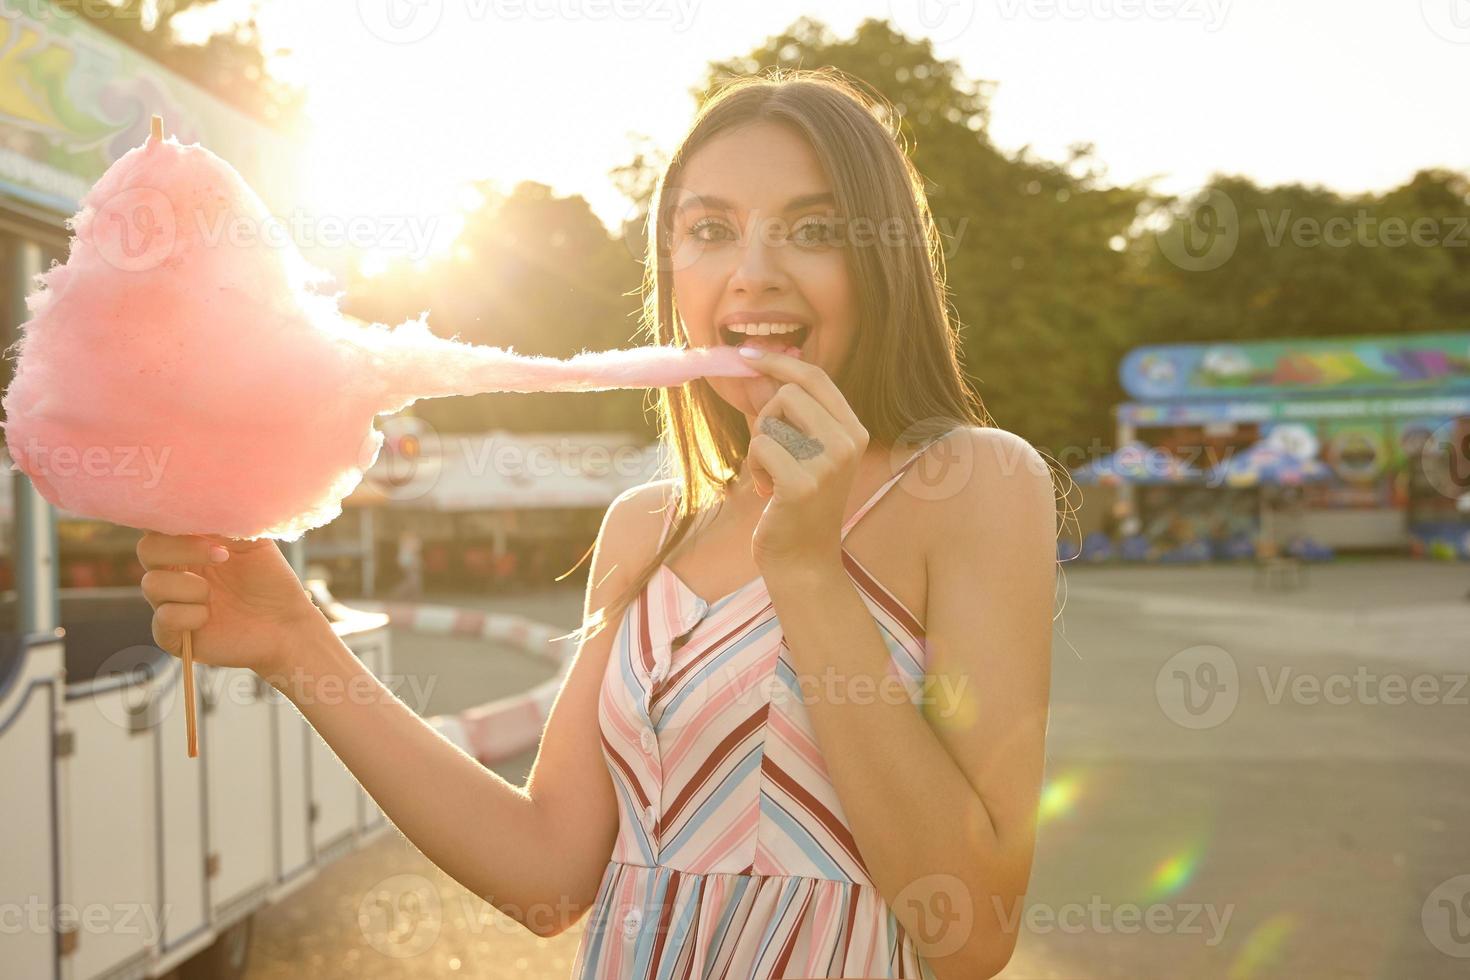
(902, 376)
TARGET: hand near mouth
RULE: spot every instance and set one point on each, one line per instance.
(804, 457)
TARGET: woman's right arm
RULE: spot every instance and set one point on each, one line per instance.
(537, 853)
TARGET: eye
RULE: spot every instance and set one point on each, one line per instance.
(825, 228)
(702, 224)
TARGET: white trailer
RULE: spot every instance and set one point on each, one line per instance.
(120, 856)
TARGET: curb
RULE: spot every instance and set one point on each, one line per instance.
(506, 727)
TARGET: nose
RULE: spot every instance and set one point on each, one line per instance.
(758, 268)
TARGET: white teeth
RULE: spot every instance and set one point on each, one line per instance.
(764, 328)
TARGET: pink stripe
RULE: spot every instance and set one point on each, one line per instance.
(727, 842)
(797, 740)
(693, 735)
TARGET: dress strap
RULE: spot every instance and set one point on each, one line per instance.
(878, 494)
(670, 509)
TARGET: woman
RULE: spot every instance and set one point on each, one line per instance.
(771, 765)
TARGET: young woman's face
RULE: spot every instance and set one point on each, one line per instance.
(753, 241)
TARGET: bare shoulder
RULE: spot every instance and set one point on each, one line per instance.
(632, 524)
(985, 479)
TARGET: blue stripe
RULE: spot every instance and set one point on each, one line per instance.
(726, 787)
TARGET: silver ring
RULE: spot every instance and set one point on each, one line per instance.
(797, 443)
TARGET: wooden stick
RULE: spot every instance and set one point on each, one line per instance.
(155, 129)
(191, 727)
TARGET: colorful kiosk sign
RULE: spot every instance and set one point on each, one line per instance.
(1382, 408)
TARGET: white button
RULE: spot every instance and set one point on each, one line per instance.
(658, 672)
(632, 921)
(648, 740)
(648, 814)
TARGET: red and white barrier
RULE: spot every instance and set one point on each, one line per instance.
(508, 726)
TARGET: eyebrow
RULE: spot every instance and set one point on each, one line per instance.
(795, 204)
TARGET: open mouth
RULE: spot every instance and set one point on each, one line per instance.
(775, 336)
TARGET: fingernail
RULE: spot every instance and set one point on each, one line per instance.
(751, 352)
(218, 553)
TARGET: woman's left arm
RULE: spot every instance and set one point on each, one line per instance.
(942, 803)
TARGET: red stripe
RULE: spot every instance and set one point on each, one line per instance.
(666, 912)
(825, 817)
(627, 772)
(471, 621)
(880, 594)
(715, 760)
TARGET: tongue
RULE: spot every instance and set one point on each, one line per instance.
(773, 342)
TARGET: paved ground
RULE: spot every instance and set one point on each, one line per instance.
(1241, 785)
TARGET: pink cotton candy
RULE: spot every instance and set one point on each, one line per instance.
(179, 374)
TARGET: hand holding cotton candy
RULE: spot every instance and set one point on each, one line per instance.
(180, 378)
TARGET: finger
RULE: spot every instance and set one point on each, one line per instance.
(790, 480)
(795, 405)
(157, 550)
(165, 585)
(818, 383)
(172, 619)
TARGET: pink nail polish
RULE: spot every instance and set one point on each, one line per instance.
(218, 553)
(750, 352)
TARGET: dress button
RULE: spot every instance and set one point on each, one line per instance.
(632, 921)
(657, 674)
(649, 815)
(648, 741)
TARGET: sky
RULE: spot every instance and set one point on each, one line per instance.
(412, 100)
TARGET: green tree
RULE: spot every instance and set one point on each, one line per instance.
(230, 65)
(1037, 280)
(529, 271)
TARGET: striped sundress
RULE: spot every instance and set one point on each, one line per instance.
(733, 859)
